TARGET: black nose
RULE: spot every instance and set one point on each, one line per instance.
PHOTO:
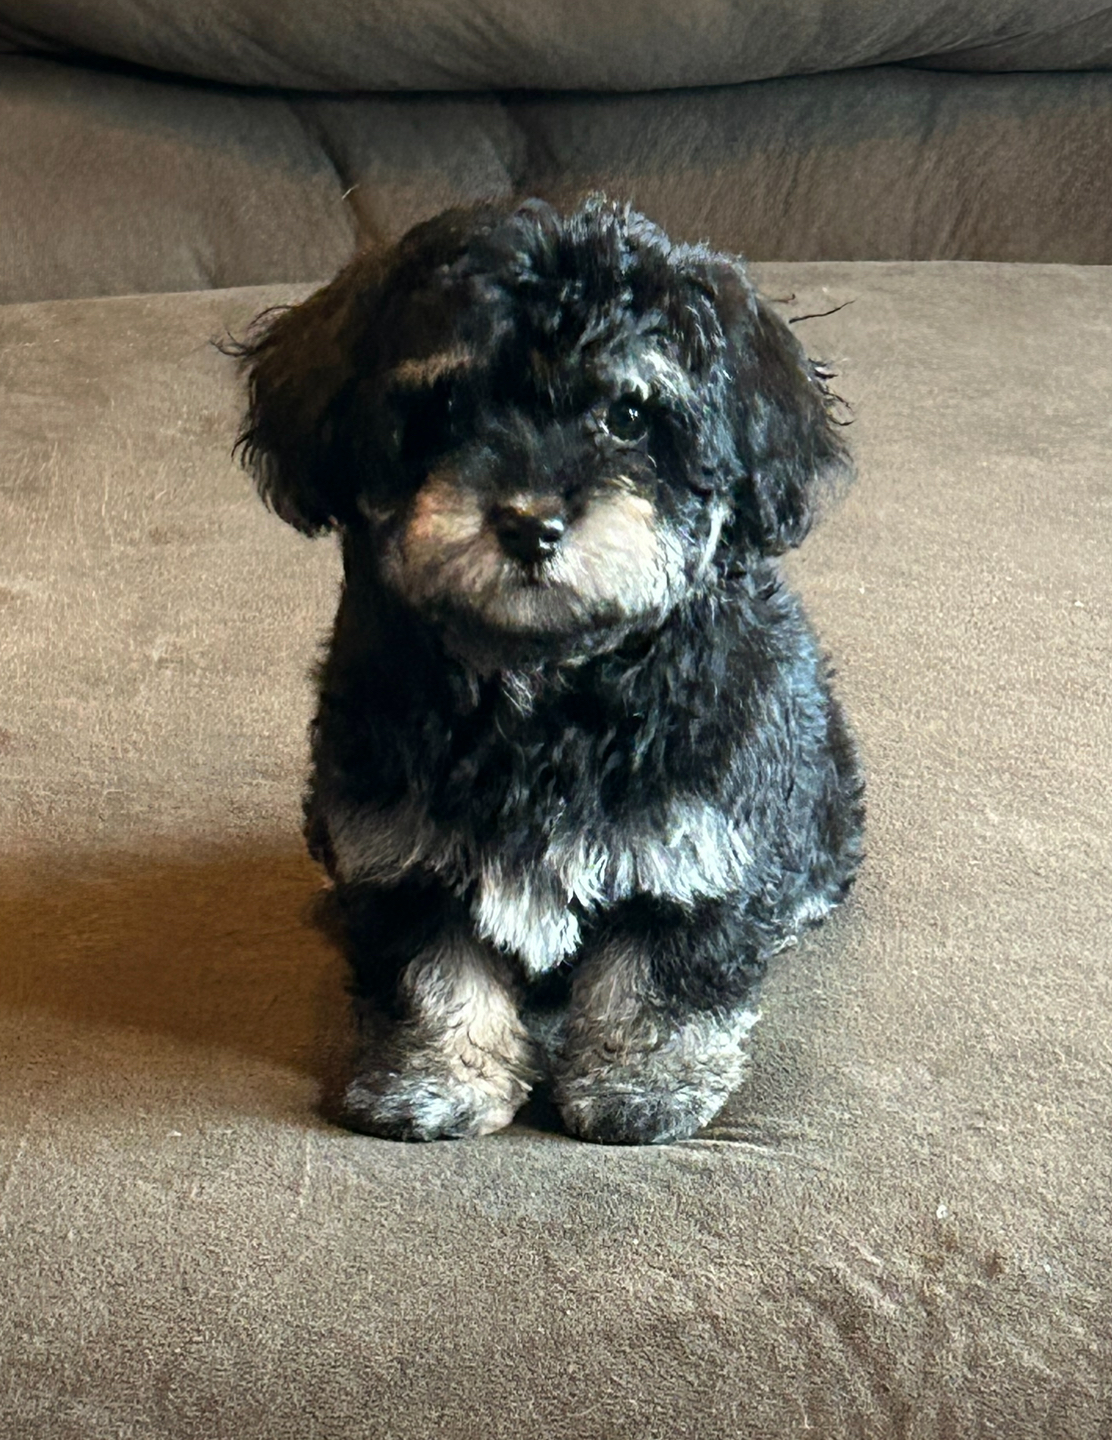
(527, 535)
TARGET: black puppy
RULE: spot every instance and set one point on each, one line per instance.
(577, 769)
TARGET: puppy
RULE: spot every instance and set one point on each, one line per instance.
(577, 769)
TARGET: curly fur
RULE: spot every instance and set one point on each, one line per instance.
(577, 768)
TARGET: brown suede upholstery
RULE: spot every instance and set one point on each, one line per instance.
(116, 181)
(537, 45)
(901, 1226)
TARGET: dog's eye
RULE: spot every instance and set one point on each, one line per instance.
(626, 420)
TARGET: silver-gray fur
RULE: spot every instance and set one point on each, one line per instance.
(629, 1066)
(697, 853)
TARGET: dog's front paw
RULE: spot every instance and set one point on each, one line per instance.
(423, 1105)
(459, 1064)
(612, 1112)
(620, 1095)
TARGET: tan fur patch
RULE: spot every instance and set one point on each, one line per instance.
(442, 515)
(465, 1021)
(428, 369)
(446, 547)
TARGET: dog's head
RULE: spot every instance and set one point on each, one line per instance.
(548, 428)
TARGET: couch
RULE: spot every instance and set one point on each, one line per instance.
(901, 1226)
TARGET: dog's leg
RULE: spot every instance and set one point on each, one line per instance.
(656, 1037)
(454, 1060)
(443, 1051)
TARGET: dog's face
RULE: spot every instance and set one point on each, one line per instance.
(546, 484)
(547, 428)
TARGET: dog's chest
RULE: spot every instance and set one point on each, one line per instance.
(535, 908)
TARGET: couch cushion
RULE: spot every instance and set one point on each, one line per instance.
(112, 185)
(899, 1227)
(877, 164)
(479, 44)
(115, 184)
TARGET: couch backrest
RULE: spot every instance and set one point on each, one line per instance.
(544, 44)
(262, 140)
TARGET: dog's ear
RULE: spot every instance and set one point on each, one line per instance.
(786, 436)
(303, 363)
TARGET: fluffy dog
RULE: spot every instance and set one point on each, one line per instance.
(577, 769)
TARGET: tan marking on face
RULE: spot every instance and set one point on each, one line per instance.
(446, 547)
(428, 369)
(442, 515)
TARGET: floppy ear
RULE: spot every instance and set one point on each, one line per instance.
(787, 439)
(303, 364)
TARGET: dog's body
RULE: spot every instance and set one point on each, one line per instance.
(577, 769)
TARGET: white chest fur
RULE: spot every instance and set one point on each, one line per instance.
(534, 910)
